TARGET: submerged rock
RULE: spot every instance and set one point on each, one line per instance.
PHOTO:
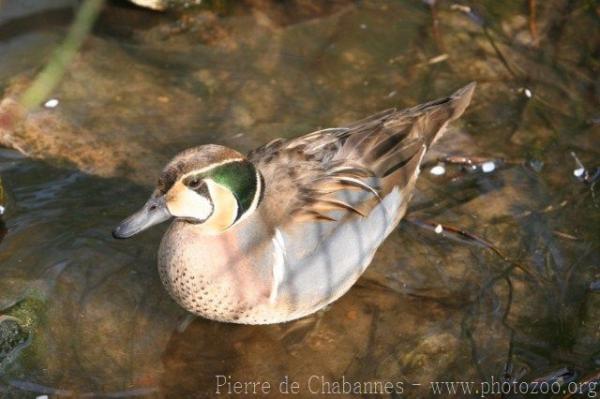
(17, 323)
(22, 314)
(12, 337)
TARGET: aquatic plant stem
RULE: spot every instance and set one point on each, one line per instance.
(50, 76)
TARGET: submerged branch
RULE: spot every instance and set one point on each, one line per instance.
(533, 28)
(463, 236)
(50, 76)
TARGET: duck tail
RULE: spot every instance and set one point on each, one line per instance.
(386, 141)
(411, 133)
(433, 117)
(391, 144)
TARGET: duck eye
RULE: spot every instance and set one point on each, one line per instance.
(194, 183)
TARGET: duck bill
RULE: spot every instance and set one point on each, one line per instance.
(154, 212)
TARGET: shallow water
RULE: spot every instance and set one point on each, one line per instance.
(431, 307)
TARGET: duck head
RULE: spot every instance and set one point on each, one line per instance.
(211, 186)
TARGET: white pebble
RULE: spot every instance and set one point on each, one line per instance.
(488, 166)
(42, 397)
(363, 26)
(52, 103)
(438, 229)
(579, 172)
(437, 170)
(528, 93)
(437, 59)
(459, 7)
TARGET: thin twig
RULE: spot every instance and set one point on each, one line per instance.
(501, 56)
(486, 31)
(435, 28)
(533, 28)
(464, 236)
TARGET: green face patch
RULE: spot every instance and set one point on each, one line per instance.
(240, 178)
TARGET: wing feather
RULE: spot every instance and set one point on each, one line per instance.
(305, 176)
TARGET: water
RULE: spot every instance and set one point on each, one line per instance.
(431, 307)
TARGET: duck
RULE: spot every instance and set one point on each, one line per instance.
(285, 230)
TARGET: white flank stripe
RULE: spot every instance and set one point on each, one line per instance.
(278, 265)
